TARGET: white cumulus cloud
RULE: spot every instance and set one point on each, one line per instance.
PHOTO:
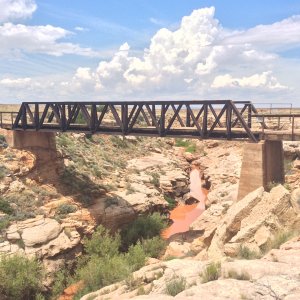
(16, 9)
(199, 59)
(38, 39)
(263, 80)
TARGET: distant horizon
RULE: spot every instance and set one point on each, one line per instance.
(141, 50)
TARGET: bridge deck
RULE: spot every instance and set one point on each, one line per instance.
(216, 119)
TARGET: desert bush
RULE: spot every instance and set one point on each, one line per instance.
(279, 238)
(102, 243)
(20, 277)
(211, 272)
(144, 227)
(61, 281)
(175, 286)
(135, 256)
(3, 171)
(171, 201)
(5, 206)
(102, 271)
(65, 209)
(155, 180)
(245, 253)
(4, 222)
(239, 276)
(154, 247)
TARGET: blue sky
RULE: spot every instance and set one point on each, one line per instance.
(97, 50)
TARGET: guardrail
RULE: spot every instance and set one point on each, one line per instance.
(7, 118)
(264, 118)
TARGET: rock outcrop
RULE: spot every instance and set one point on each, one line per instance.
(275, 276)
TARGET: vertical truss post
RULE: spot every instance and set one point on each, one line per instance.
(154, 114)
(188, 118)
(24, 117)
(249, 115)
(124, 116)
(94, 118)
(36, 116)
(228, 121)
(63, 121)
(162, 120)
(205, 117)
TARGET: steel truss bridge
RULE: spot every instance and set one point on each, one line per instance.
(205, 119)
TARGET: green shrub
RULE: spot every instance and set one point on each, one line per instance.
(3, 171)
(5, 206)
(171, 201)
(102, 271)
(4, 222)
(175, 286)
(136, 256)
(188, 145)
(279, 238)
(144, 227)
(155, 179)
(154, 247)
(102, 244)
(239, 276)
(211, 272)
(245, 253)
(20, 277)
(65, 209)
(61, 281)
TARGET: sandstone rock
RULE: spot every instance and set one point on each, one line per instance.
(262, 236)
(39, 232)
(231, 223)
(291, 149)
(295, 199)
(177, 249)
(254, 220)
(190, 157)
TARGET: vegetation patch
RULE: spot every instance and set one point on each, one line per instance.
(5, 207)
(144, 227)
(239, 276)
(211, 272)
(279, 238)
(175, 286)
(3, 171)
(20, 278)
(65, 209)
(154, 247)
(187, 144)
(171, 201)
(245, 253)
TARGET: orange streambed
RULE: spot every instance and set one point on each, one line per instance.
(183, 215)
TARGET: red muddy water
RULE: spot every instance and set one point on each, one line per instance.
(183, 215)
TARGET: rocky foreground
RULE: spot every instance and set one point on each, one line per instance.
(55, 204)
(231, 250)
(274, 276)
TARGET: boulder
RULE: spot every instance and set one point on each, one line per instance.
(254, 220)
(40, 232)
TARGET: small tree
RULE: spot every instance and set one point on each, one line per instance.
(20, 277)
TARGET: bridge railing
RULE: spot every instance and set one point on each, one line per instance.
(191, 118)
(7, 119)
(280, 122)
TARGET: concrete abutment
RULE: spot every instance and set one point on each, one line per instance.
(263, 164)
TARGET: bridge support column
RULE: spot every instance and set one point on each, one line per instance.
(263, 163)
(33, 140)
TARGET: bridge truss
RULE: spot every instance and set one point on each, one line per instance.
(215, 119)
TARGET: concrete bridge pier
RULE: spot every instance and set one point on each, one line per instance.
(31, 140)
(263, 164)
